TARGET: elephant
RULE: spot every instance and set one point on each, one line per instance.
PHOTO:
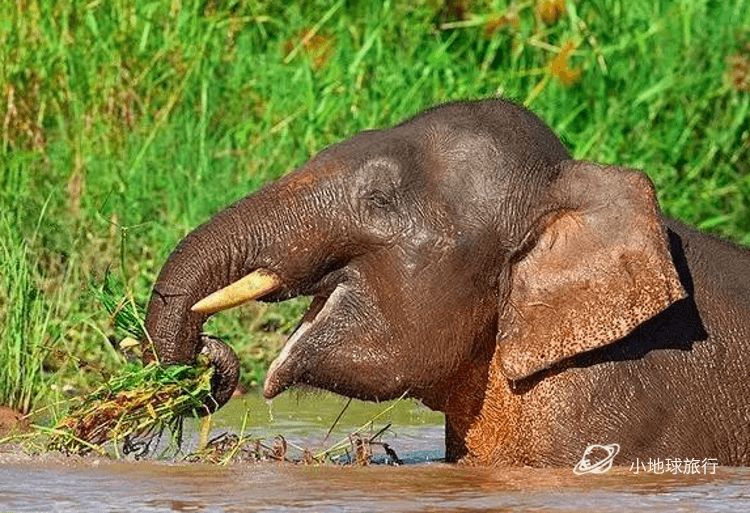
(464, 259)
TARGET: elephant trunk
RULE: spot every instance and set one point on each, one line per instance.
(274, 229)
(209, 258)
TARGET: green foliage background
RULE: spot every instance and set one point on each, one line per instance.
(127, 123)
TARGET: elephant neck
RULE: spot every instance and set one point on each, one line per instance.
(461, 403)
(493, 435)
(485, 421)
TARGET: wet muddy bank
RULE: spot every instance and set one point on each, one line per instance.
(11, 422)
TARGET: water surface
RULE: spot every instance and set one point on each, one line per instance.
(55, 483)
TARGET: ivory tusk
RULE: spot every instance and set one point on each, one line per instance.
(256, 284)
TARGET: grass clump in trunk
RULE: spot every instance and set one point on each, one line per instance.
(133, 410)
(136, 406)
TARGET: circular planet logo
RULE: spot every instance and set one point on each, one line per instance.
(596, 459)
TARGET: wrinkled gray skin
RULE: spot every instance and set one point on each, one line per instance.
(408, 238)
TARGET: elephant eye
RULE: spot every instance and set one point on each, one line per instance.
(379, 199)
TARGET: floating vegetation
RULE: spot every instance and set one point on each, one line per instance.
(356, 449)
(232, 448)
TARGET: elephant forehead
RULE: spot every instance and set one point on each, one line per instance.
(454, 145)
(464, 156)
(314, 172)
(464, 170)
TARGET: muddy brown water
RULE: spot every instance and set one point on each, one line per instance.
(423, 483)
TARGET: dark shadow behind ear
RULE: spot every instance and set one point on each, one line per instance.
(595, 266)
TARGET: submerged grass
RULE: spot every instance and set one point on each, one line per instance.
(131, 122)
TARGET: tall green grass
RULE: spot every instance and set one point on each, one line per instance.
(25, 338)
(139, 119)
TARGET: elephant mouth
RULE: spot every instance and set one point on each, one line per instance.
(290, 364)
(316, 332)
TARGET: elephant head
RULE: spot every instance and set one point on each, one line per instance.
(461, 237)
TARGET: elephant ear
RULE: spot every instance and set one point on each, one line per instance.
(595, 265)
